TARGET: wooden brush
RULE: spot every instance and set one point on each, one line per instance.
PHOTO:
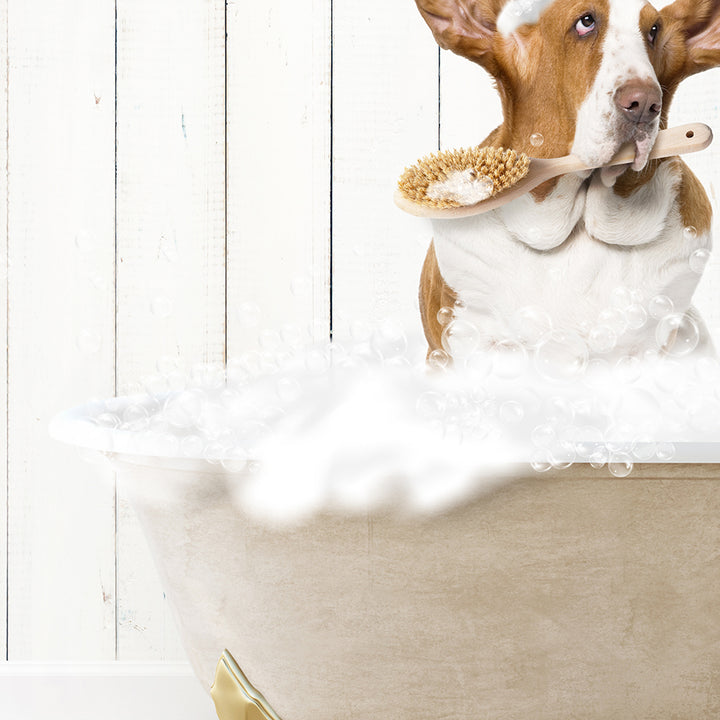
(460, 183)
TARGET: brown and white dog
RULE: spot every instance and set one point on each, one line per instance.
(589, 76)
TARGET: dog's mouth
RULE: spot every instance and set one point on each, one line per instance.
(643, 138)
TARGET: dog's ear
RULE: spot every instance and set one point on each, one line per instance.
(699, 22)
(467, 27)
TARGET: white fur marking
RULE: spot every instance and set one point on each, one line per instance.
(601, 128)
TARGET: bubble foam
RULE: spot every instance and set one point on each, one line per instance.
(332, 425)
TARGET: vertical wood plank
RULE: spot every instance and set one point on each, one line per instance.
(469, 104)
(60, 324)
(385, 116)
(170, 241)
(278, 170)
(3, 324)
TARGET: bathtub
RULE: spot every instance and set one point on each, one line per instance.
(567, 595)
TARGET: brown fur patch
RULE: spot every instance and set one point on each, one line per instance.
(434, 294)
(695, 208)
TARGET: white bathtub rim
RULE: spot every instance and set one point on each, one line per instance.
(76, 427)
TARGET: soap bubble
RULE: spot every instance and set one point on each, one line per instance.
(644, 449)
(660, 306)
(614, 319)
(318, 361)
(620, 464)
(602, 339)
(587, 441)
(183, 410)
(445, 315)
(192, 446)
(156, 384)
(135, 417)
(543, 435)
(511, 412)
(161, 306)
(562, 455)
(678, 334)
(460, 338)
(561, 356)
(635, 316)
(537, 139)
(288, 389)
(689, 233)
(214, 452)
(558, 410)
(438, 360)
(665, 451)
(529, 324)
(388, 340)
(291, 335)
(540, 461)
(698, 260)
(599, 457)
(108, 420)
(248, 314)
(235, 460)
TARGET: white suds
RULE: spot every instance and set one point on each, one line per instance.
(463, 187)
(520, 12)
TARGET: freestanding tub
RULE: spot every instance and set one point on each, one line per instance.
(569, 595)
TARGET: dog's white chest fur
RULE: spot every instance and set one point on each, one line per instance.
(568, 254)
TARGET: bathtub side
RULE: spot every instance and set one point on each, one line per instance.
(573, 595)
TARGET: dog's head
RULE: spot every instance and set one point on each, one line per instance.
(589, 75)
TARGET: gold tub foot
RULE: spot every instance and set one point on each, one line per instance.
(234, 697)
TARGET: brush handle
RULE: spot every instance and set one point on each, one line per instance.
(679, 140)
(673, 141)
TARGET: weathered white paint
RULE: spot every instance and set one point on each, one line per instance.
(385, 115)
(80, 269)
(170, 241)
(278, 102)
(469, 104)
(3, 326)
(60, 324)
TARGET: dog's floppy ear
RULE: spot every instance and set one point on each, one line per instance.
(466, 27)
(699, 21)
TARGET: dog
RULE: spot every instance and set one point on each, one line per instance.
(588, 254)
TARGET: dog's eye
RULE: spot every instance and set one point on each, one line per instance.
(652, 34)
(585, 25)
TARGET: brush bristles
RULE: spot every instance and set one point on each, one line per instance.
(462, 177)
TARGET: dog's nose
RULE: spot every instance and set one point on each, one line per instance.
(639, 100)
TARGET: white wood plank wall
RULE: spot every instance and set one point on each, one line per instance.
(178, 181)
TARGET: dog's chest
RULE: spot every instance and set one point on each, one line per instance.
(572, 256)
